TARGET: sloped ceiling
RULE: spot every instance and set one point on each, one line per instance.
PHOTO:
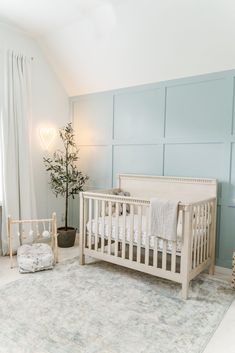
(96, 45)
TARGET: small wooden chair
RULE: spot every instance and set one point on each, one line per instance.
(39, 236)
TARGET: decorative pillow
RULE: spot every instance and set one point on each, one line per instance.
(35, 257)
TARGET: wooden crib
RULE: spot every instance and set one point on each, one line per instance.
(123, 238)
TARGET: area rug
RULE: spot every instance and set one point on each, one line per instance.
(103, 308)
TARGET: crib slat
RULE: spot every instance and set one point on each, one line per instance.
(124, 232)
(192, 243)
(147, 227)
(116, 229)
(155, 252)
(204, 232)
(195, 237)
(110, 228)
(207, 227)
(208, 231)
(96, 223)
(146, 256)
(139, 234)
(90, 223)
(198, 236)
(103, 225)
(85, 222)
(164, 254)
(131, 232)
(173, 257)
(201, 231)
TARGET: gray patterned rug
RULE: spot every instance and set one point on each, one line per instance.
(102, 308)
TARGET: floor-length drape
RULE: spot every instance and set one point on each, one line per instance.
(18, 189)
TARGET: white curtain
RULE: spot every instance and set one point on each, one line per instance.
(18, 190)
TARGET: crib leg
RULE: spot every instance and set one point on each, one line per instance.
(81, 259)
(81, 252)
(83, 205)
(212, 250)
(212, 269)
(185, 287)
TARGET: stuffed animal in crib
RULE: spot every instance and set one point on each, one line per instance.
(118, 193)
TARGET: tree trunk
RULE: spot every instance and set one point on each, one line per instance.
(66, 208)
(67, 192)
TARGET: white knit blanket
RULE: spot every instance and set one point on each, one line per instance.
(163, 218)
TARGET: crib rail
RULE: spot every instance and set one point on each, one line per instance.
(117, 229)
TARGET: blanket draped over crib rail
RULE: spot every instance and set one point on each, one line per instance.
(163, 218)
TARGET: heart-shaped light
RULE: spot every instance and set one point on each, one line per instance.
(47, 136)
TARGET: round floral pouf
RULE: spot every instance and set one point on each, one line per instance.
(35, 257)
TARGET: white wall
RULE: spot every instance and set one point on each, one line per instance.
(97, 45)
(121, 43)
(49, 108)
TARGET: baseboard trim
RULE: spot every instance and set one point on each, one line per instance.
(223, 270)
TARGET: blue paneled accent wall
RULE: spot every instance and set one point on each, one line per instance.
(183, 127)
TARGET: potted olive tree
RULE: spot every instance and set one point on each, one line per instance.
(65, 179)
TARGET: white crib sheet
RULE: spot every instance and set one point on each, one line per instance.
(119, 234)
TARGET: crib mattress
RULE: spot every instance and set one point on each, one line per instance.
(119, 233)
